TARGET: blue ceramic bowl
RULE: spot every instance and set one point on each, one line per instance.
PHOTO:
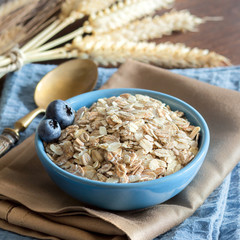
(128, 196)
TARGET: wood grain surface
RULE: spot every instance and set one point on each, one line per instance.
(221, 36)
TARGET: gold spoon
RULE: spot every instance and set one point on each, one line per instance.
(65, 81)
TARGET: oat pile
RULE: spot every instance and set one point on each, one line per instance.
(125, 139)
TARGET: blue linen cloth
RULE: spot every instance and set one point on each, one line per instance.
(217, 218)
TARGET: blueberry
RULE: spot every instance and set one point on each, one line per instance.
(61, 112)
(49, 130)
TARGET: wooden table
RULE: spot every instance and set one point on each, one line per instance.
(221, 37)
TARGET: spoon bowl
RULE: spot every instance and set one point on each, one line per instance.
(69, 79)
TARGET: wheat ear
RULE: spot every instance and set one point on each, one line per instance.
(166, 55)
(155, 27)
(85, 6)
(124, 12)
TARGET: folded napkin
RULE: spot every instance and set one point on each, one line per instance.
(32, 205)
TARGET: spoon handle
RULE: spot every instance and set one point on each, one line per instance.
(7, 139)
(10, 136)
(25, 121)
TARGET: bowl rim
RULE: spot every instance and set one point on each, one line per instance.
(198, 158)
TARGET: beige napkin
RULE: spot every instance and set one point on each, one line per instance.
(33, 205)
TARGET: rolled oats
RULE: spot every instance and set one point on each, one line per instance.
(56, 149)
(194, 132)
(126, 139)
(105, 168)
(146, 145)
(96, 156)
(84, 137)
(86, 159)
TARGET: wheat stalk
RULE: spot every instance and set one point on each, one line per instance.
(78, 32)
(70, 7)
(155, 27)
(62, 22)
(33, 16)
(10, 36)
(166, 55)
(18, 16)
(124, 12)
(24, 22)
(71, 10)
(58, 53)
(8, 7)
(38, 22)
